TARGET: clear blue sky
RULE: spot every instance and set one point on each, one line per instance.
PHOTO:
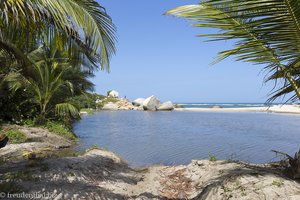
(160, 55)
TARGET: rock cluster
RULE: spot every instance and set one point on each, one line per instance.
(153, 104)
(121, 104)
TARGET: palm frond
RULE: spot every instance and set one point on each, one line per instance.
(86, 17)
(15, 81)
(264, 32)
(66, 109)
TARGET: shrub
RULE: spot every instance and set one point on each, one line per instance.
(86, 100)
(29, 122)
(212, 158)
(60, 129)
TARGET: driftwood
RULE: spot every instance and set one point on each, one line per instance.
(294, 163)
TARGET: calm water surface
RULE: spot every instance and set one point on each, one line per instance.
(144, 138)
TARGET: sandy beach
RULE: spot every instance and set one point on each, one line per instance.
(100, 174)
(289, 109)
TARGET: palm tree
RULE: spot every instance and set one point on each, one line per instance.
(264, 32)
(84, 21)
(47, 83)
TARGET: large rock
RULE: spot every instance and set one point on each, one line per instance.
(138, 102)
(166, 106)
(110, 106)
(113, 94)
(151, 103)
(124, 104)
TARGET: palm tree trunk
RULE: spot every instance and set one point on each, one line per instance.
(42, 116)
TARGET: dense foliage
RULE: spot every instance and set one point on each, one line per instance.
(48, 52)
(87, 100)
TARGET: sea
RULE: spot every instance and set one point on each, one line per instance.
(177, 137)
(224, 105)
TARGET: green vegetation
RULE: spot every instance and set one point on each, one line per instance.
(212, 158)
(86, 100)
(60, 129)
(264, 32)
(29, 122)
(48, 79)
(47, 58)
(277, 183)
(15, 136)
(94, 146)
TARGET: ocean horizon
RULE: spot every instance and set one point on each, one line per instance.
(224, 105)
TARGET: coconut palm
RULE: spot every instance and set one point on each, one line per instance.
(85, 21)
(264, 32)
(47, 83)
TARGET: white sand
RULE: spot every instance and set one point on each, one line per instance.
(99, 174)
(292, 109)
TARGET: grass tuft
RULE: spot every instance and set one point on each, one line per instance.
(277, 183)
(212, 158)
(60, 129)
(15, 136)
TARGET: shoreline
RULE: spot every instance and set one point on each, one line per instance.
(102, 174)
(285, 109)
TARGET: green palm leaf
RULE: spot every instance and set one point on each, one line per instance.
(66, 109)
(72, 17)
(265, 32)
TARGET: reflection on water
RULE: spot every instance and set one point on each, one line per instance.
(144, 138)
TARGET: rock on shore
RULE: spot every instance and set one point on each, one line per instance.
(138, 102)
(110, 106)
(166, 106)
(120, 104)
(151, 103)
(40, 142)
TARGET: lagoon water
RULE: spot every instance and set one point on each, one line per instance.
(146, 138)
